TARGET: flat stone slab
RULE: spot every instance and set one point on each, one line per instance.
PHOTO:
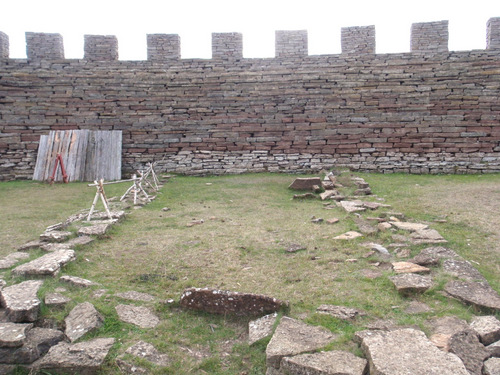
(293, 248)
(462, 269)
(351, 235)
(261, 328)
(487, 327)
(55, 246)
(82, 319)
(136, 296)
(325, 363)
(55, 236)
(21, 302)
(148, 352)
(433, 255)
(408, 283)
(408, 267)
(12, 259)
(94, 230)
(408, 351)
(13, 334)
(427, 236)
(77, 281)
(410, 227)
(137, 315)
(492, 366)
(56, 299)
(293, 337)
(340, 312)
(120, 214)
(36, 343)
(47, 265)
(466, 346)
(305, 183)
(81, 358)
(35, 244)
(352, 206)
(478, 294)
(227, 302)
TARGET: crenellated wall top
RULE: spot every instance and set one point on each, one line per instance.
(426, 37)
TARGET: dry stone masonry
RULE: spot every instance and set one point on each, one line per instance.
(429, 110)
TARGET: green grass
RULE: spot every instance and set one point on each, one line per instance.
(249, 221)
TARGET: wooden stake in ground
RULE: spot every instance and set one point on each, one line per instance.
(136, 188)
(99, 194)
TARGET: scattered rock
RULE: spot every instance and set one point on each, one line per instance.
(376, 247)
(370, 273)
(305, 183)
(195, 222)
(12, 259)
(352, 206)
(332, 221)
(148, 352)
(80, 241)
(365, 227)
(84, 358)
(56, 246)
(442, 329)
(340, 312)
(293, 248)
(293, 337)
(408, 351)
(21, 302)
(487, 327)
(462, 269)
(411, 227)
(316, 220)
(129, 368)
(374, 205)
(494, 349)
(384, 226)
(478, 294)
(55, 236)
(416, 307)
(328, 194)
(36, 343)
(403, 253)
(13, 334)
(467, 347)
(351, 235)
(427, 236)
(431, 256)
(408, 283)
(47, 265)
(365, 191)
(316, 189)
(77, 281)
(136, 296)
(138, 315)
(82, 319)
(261, 328)
(94, 230)
(408, 267)
(226, 302)
(56, 299)
(328, 363)
(492, 366)
(165, 209)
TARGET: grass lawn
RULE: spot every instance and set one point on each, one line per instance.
(248, 222)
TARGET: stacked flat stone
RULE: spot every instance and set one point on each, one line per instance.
(4, 46)
(227, 46)
(493, 33)
(418, 112)
(291, 43)
(163, 47)
(358, 40)
(429, 37)
(100, 48)
(43, 46)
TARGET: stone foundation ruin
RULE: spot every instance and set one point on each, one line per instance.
(427, 111)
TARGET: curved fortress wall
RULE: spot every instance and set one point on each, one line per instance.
(426, 111)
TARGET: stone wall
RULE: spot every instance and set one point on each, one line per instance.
(427, 111)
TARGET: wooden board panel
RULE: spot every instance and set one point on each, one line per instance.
(87, 155)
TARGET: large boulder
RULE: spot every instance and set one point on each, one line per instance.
(227, 302)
